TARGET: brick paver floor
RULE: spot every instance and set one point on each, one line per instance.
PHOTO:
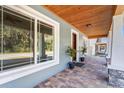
(92, 75)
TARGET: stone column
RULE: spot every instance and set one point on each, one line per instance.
(116, 78)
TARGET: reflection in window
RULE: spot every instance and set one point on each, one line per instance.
(45, 42)
(17, 41)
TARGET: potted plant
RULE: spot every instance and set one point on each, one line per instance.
(83, 51)
(72, 53)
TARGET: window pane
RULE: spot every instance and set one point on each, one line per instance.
(45, 42)
(17, 39)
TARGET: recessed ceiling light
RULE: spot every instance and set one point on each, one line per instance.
(88, 25)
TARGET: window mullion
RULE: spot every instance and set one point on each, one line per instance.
(39, 59)
(30, 40)
(2, 39)
(35, 42)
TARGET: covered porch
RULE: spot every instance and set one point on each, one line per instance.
(43, 34)
(94, 74)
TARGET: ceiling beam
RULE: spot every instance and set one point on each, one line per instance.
(96, 36)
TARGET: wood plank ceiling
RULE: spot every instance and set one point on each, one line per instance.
(93, 20)
(119, 9)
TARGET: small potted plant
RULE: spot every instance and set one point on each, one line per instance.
(72, 53)
(83, 51)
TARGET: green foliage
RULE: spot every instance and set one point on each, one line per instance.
(16, 39)
(83, 50)
(71, 52)
(49, 42)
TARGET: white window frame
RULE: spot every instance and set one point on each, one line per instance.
(15, 73)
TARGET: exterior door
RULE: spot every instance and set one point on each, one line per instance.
(74, 43)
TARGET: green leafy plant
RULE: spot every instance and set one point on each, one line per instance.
(71, 52)
(83, 50)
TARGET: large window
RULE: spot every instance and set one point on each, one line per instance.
(29, 42)
(16, 39)
(45, 42)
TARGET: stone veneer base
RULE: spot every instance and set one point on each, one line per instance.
(116, 78)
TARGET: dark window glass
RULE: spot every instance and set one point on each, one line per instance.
(18, 39)
(45, 42)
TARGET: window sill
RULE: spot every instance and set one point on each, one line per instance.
(14, 74)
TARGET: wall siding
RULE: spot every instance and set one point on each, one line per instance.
(65, 40)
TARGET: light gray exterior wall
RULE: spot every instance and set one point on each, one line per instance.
(65, 40)
(81, 43)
